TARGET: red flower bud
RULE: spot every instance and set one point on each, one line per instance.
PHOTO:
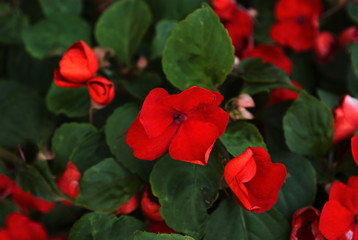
(150, 205)
(129, 206)
(305, 224)
(254, 179)
(68, 182)
(324, 47)
(350, 35)
(6, 186)
(159, 227)
(78, 65)
(101, 90)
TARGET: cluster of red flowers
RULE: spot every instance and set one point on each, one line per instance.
(78, 68)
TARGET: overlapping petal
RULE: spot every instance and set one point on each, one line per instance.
(101, 90)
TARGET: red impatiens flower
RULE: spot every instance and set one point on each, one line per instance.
(282, 94)
(225, 9)
(150, 205)
(159, 227)
(272, 54)
(20, 227)
(6, 186)
(254, 179)
(297, 23)
(68, 182)
(354, 147)
(26, 201)
(345, 118)
(77, 66)
(305, 224)
(350, 35)
(129, 206)
(187, 124)
(324, 47)
(101, 90)
(339, 215)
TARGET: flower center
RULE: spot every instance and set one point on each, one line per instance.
(179, 117)
(301, 20)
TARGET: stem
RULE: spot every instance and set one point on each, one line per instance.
(332, 11)
(9, 156)
(91, 114)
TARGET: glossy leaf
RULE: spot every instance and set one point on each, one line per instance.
(299, 188)
(206, 54)
(116, 130)
(122, 27)
(352, 10)
(353, 50)
(162, 32)
(153, 236)
(308, 126)
(97, 226)
(240, 135)
(106, 186)
(143, 84)
(57, 32)
(185, 192)
(71, 102)
(230, 222)
(50, 7)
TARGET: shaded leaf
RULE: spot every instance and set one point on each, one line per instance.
(143, 84)
(50, 7)
(153, 236)
(162, 32)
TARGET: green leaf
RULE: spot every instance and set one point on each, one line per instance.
(352, 10)
(106, 186)
(153, 236)
(73, 102)
(65, 139)
(50, 7)
(266, 18)
(231, 222)
(7, 206)
(116, 131)
(57, 32)
(308, 126)
(24, 116)
(90, 151)
(98, 226)
(198, 51)
(329, 98)
(240, 135)
(11, 24)
(143, 84)
(299, 188)
(173, 9)
(122, 27)
(353, 50)
(162, 32)
(185, 191)
(352, 82)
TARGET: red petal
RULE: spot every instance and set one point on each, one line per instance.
(341, 127)
(69, 180)
(21, 227)
(348, 36)
(347, 196)
(62, 82)
(354, 146)
(350, 110)
(335, 220)
(79, 63)
(101, 90)
(292, 9)
(6, 186)
(193, 141)
(4, 234)
(148, 148)
(353, 182)
(155, 116)
(129, 206)
(159, 227)
(150, 205)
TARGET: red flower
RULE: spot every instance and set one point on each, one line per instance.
(324, 47)
(159, 227)
(297, 23)
(68, 182)
(187, 123)
(339, 215)
(345, 118)
(282, 94)
(254, 179)
(101, 90)
(129, 206)
(350, 35)
(6, 186)
(272, 54)
(26, 201)
(77, 66)
(305, 224)
(20, 227)
(150, 205)
(225, 9)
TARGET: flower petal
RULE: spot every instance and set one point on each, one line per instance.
(354, 146)
(350, 110)
(62, 82)
(193, 141)
(101, 90)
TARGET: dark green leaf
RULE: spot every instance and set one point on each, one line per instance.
(66, 138)
(122, 27)
(352, 10)
(106, 186)
(240, 135)
(265, 19)
(352, 82)
(329, 98)
(162, 32)
(7, 206)
(198, 51)
(308, 126)
(153, 236)
(231, 222)
(116, 131)
(73, 102)
(98, 226)
(50, 7)
(185, 192)
(11, 24)
(143, 84)
(299, 188)
(353, 50)
(57, 32)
